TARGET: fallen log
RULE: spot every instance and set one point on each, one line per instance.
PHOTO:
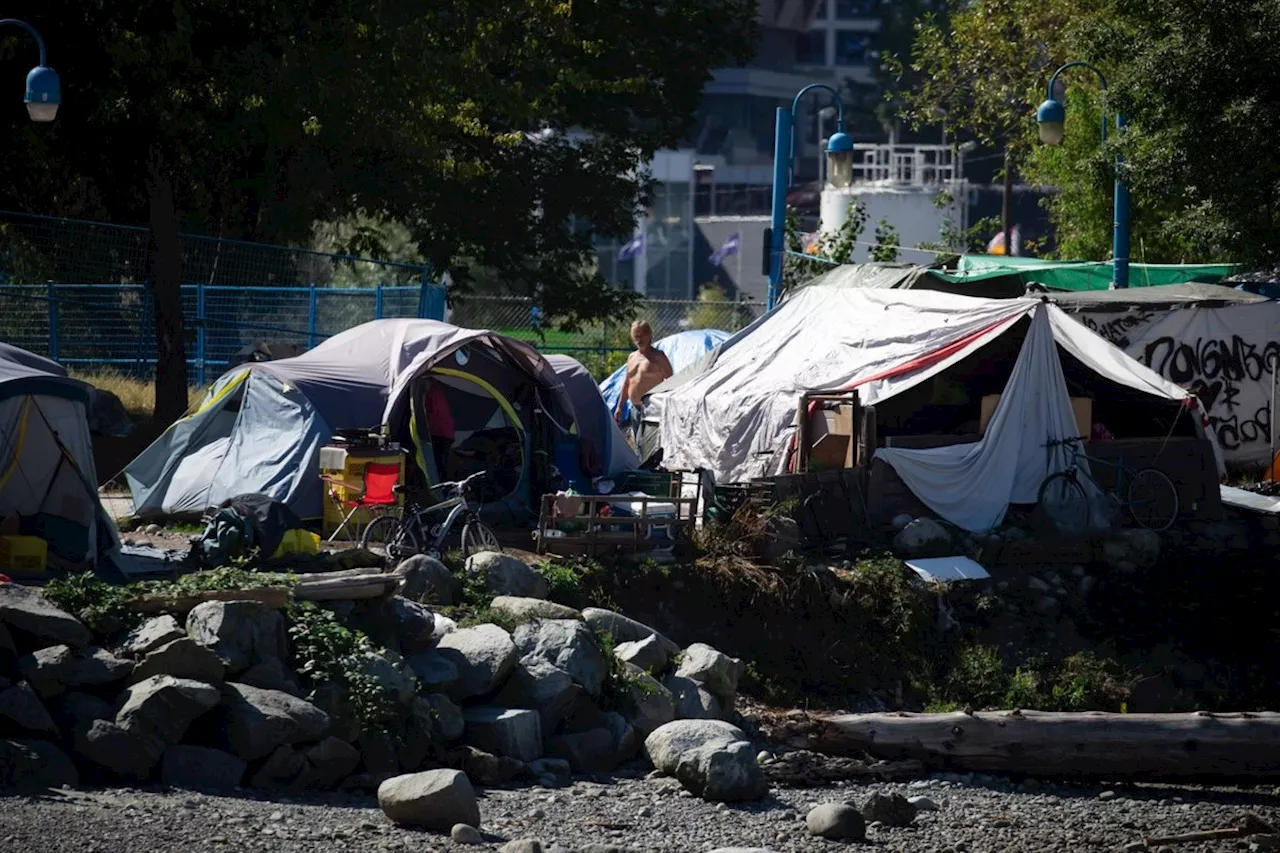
(345, 589)
(272, 596)
(1039, 743)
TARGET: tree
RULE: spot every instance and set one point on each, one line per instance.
(491, 129)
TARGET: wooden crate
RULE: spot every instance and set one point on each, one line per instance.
(628, 534)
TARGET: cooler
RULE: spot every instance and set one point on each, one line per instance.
(346, 463)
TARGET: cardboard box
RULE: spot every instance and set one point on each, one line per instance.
(833, 445)
(1081, 406)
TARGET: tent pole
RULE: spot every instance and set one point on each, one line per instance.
(1271, 421)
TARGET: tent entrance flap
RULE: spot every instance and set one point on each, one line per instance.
(462, 424)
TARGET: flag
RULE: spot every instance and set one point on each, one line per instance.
(729, 247)
(632, 248)
(997, 246)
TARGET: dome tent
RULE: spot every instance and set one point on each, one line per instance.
(260, 428)
(595, 420)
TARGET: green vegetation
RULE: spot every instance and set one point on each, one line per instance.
(980, 679)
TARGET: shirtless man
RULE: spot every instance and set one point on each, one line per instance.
(647, 367)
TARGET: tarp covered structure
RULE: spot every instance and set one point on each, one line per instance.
(260, 428)
(682, 349)
(737, 417)
(596, 425)
(48, 484)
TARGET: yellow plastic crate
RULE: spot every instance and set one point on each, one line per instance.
(28, 555)
(351, 471)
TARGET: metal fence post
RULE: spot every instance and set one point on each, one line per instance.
(53, 320)
(377, 302)
(311, 318)
(201, 341)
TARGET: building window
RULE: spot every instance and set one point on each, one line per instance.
(852, 48)
(851, 10)
(811, 48)
(821, 13)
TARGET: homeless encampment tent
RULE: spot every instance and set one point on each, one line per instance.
(260, 428)
(737, 417)
(48, 484)
(682, 349)
(598, 431)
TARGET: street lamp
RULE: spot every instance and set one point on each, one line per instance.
(839, 174)
(44, 91)
(1052, 116)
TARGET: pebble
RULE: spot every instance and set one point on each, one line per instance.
(277, 816)
(923, 804)
(1107, 795)
(465, 834)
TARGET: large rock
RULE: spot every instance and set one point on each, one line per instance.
(513, 732)
(183, 658)
(151, 635)
(485, 768)
(414, 625)
(714, 670)
(484, 656)
(240, 633)
(252, 722)
(567, 644)
(95, 667)
(435, 799)
(162, 706)
(28, 765)
(647, 654)
(447, 717)
(506, 575)
(392, 674)
(923, 537)
(54, 668)
(284, 768)
(22, 707)
(419, 739)
(27, 609)
(127, 753)
(626, 741)
(836, 821)
(200, 768)
(444, 625)
(533, 608)
(79, 709)
(624, 629)
(693, 701)
(591, 751)
(542, 687)
(711, 758)
(329, 762)
(434, 670)
(890, 810)
(426, 579)
(343, 724)
(271, 674)
(654, 704)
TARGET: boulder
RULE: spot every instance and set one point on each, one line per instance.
(284, 768)
(625, 739)
(379, 753)
(124, 752)
(200, 768)
(923, 537)
(542, 687)
(556, 768)
(419, 739)
(647, 654)
(252, 722)
(26, 609)
(448, 720)
(434, 799)
(591, 751)
(240, 633)
(79, 709)
(343, 725)
(162, 706)
(484, 768)
(48, 669)
(151, 635)
(693, 701)
(506, 575)
(443, 626)
(710, 758)
(890, 810)
(271, 674)
(329, 762)
(462, 833)
(654, 704)
(414, 625)
(836, 822)
(623, 629)
(95, 667)
(28, 765)
(484, 656)
(567, 644)
(433, 670)
(426, 579)
(183, 658)
(714, 670)
(533, 608)
(513, 732)
(391, 673)
(21, 706)
(8, 648)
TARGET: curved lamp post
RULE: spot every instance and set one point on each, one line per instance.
(1052, 116)
(44, 91)
(839, 173)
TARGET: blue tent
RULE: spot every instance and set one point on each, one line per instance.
(682, 349)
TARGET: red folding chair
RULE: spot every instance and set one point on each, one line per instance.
(377, 492)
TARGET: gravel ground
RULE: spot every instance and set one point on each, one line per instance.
(633, 811)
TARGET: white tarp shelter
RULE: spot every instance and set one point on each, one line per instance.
(48, 485)
(737, 417)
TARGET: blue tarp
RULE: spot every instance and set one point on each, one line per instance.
(682, 349)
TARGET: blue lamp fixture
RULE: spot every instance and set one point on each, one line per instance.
(1052, 116)
(839, 174)
(44, 91)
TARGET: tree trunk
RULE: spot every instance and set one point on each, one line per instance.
(1113, 746)
(1006, 208)
(166, 297)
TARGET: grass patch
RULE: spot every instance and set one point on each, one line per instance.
(567, 578)
(137, 395)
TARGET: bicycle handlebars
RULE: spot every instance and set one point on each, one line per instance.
(1064, 442)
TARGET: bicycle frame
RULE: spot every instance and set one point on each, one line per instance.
(1078, 453)
(457, 505)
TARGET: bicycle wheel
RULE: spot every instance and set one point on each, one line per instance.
(477, 536)
(1065, 501)
(389, 538)
(1152, 499)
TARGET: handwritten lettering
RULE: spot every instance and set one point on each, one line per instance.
(1118, 329)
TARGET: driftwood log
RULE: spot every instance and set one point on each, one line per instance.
(1088, 744)
(271, 596)
(345, 588)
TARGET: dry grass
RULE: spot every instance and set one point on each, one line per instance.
(137, 395)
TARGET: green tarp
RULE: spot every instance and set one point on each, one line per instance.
(1078, 275)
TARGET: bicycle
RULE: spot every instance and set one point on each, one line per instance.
(398, 537)
(1149, 494)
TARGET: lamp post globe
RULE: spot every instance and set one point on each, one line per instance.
(1052, 117)
(840, 160)
(44, 94)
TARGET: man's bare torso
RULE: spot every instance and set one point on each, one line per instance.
(645, 371)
